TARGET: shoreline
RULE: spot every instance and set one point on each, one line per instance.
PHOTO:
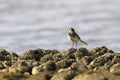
(99, 63)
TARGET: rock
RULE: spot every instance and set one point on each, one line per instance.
(64, 63)
(49, 66)
(115, 67)
(35, 70)
(4, 55)
(46, 58)
(100, 51)
(102, 60)
(79, 67)
(63, 75)
(93, 76)
(14, 57)
(68, 54)
(64, 70)
(1, 66)
(116, 58)
(32, 54)
(86, 60)
(35, 63)
(21, 67)
(57, 57)
(80, 53)
(53, 51)
(4, 70)
(36, 54)
(7, 64)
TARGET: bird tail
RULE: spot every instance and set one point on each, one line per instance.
(83, 42)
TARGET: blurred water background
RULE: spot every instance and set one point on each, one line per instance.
(31, 24)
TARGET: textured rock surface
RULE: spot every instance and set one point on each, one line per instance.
(99, 63)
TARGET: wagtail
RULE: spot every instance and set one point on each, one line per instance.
(74, 37)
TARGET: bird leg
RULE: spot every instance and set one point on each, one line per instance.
(72, 45)
(76, 45)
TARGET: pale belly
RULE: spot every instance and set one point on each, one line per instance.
(73, 39)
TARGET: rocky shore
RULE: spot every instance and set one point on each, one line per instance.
(99, 63)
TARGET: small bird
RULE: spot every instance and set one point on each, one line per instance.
(74, 37)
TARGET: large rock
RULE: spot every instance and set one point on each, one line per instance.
(93, 76)
(80, 53)
(79, 67)
(102, 60)
(63, 75)
(100, 51)
(36, 54)
(21, 67)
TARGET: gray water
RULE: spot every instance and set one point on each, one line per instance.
(31, 24)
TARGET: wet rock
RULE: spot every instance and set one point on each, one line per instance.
(63, 75)
(81, 52)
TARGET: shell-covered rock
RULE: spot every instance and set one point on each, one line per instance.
(14, 57)
(32, 54)
(49, 66)
(68, 54)
(21, 67)
(36, 54)
(81, 52)
(100, 51)
(57, 57)
(116, 58)
(46, 58)
(4, 55)
(71, 64)
(102, 60)
(64, 63)
(86, 60)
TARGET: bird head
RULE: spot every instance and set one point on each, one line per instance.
(70, 30)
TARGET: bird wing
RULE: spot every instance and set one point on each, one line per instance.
(81, 40)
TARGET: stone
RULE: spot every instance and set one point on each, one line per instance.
(93, 76)
(63, 75)
(79, 67)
